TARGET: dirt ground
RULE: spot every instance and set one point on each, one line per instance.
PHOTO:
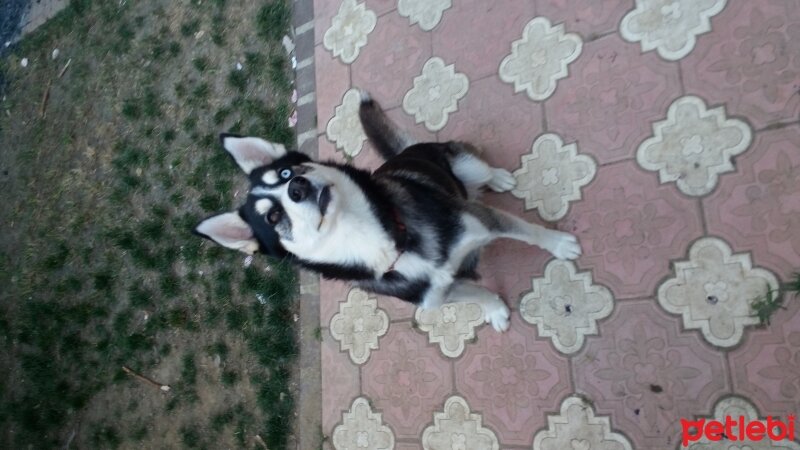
(106, 167)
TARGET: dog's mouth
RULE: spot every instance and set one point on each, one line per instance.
(324, 199)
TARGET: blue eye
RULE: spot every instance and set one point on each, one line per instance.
(286, 173)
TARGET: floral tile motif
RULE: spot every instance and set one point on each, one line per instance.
(456, 428)
(576, 427)
(540, 58)
(713, 289)
(759, 209)
(427, 13)
(694, 145)
(612, 96)
(492, 26)
(450, 326)
(735, 406)
(345, 128)
(362, 428)
(349, 30)
(565, 306)
(630, 227)
(512, 377)
(647, 374)
(335, 76)
(435, 94)
(750, 61)
(407, 379)
(551, 176)
(669, 27)
(359, 324)
(766, 367)
(590, 18)
(496, 120)
(386, 68)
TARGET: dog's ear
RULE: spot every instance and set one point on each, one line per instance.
(229, 230)
(251, 152)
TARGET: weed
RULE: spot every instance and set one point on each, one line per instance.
(766, 305)
(273, 20)
(190, 28)
(238, 79)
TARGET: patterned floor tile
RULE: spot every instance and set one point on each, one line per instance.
(514, 379)
(456, 428)
(712, 291)
(671, 27)
(426, 13)
(565, 305)
(450, 326)
(758, 209)
(766, 367)
(344, 129)
(551, 176)
(540, 58)
(501, 123)
(492, 26)
(611, 97)
(647, 374)
(630, 227)
(341, 382)
(359, 325)
(362, 428)
(335, 77)
(578, 428)
(589, 18)
(750, 61)
(349, 30)
(694, 145)
(394, 48)
(435, 94)
(407, 379)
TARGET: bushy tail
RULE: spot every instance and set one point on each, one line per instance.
(382, 132)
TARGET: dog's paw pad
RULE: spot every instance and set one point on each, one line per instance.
(502, 180)
(565, 246)
(499, 318)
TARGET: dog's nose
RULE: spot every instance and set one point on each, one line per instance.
(299, 188)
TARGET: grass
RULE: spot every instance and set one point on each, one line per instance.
(97, 264)
(768, 304)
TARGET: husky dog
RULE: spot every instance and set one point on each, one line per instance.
(412, 229)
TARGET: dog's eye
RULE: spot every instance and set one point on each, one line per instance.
(274, 216)
(286, 173)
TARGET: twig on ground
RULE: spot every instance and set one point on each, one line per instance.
(140, 377)
(61, 74)
(261, 442)
(45, 97)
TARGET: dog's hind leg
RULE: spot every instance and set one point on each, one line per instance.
(501, 224)
(476, 173)
(494, 308)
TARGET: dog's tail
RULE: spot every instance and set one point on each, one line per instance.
(380, 130)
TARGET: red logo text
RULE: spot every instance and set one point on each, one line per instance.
(739, 429)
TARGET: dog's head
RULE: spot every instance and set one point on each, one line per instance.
(291, 206)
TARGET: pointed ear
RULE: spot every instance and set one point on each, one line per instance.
(229, 230)
(251, 152)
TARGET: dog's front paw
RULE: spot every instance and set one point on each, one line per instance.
(498, 316)
(564, 246)
(502, 180)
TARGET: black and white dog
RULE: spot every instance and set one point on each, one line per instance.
(412, 229)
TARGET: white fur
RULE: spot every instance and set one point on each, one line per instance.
(251, 153)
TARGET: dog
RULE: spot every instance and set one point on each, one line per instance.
(412, 229)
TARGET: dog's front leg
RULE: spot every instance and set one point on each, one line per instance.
(504, 225)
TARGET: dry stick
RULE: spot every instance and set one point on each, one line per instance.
(44, 99)
(143, 378)
(261, 442)
(61, 74)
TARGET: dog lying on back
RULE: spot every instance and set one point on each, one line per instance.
(412, 229)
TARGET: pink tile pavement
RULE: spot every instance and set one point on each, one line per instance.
(644, 368)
